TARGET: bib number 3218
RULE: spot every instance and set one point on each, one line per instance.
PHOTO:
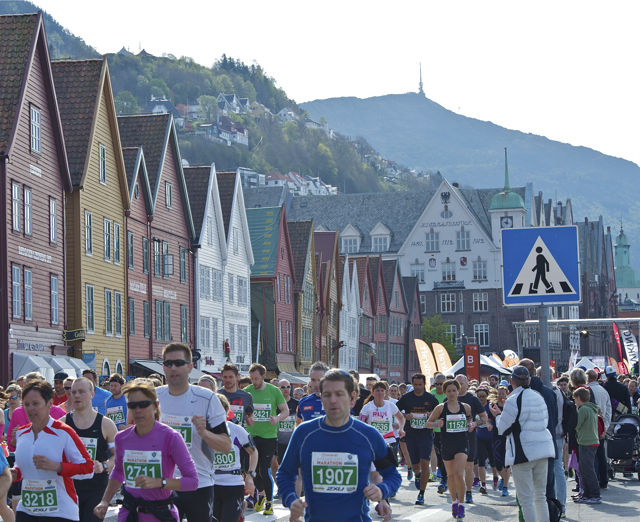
(40, 496)
(334, 472)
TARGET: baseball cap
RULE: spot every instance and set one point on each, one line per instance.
(610, 370)
(504, 382)
(60, 376)
(520, 372)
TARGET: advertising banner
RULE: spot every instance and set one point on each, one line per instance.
(472, 361)
(427, 362)
(443, 361)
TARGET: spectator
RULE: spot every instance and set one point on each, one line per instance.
(587, 435)
(635, 396)
(601, 398)
(60, 396)
(618, 393)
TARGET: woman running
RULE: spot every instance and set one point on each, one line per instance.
(454, 419)
(485, 442)
(500, 445)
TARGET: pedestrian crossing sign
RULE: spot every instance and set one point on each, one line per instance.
(540, 266)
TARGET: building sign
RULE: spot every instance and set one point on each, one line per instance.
(74, 335)
(27, 346)
(32, 254)
(89, 359)
(135, 286)
(166, 294)
(36, 171)
(472, 361)
(434, 224)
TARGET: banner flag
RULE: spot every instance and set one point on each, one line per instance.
(427, 362)
(442, 357)
(616, 334)
(630, 346)
(472, 361)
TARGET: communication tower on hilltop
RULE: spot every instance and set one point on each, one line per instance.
(420, 89)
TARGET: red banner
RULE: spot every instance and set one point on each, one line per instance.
(616, 334)
(472, 361)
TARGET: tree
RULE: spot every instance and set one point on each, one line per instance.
(435, 330)
(126, 103)
(209, 106)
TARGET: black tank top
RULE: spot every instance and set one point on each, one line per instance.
(443, 416)
(97, 447)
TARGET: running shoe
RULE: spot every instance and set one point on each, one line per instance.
(432, 477)
(442, 487)
(468, 498)
(268, 509)
(501, 484)
(410, 474)
(460, 511)
(495, 483)
(420, 500)
(438, 473)
(476, 482)
(259, 506)
(454, 509)
(251, 501)
(483, 490)
(581, 500)
(417, 482)
(505, 492)
(570, 472)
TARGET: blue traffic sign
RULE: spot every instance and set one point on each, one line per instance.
(540, 266)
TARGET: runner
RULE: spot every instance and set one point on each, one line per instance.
(60, 396)
(97, 433)
(499, 444)
(48, 454)
(240, 402)
(310, 406)
(230, 486)
(477, 411)
(6, 514)
(334, 454)
(454, 419)
(147, 454)
(116, 405)
(438, 392)
(485, 442)
(196, 413)
(285, 427)
(417, 405)
(266, 400)
(101, 395)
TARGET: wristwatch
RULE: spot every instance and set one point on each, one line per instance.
(164, 483)
(253, 474)
(105, 467)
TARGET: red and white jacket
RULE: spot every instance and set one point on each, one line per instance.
(59, 443)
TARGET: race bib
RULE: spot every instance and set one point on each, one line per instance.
(334, 472)
(261, 412)
(456, 423)
(418, 421)
(141, 463)
(287, 425)
(383, 427)
(116, 414)
(39, 496)
(90, 445)
(182, 424)
(224, 460)
(238, 412)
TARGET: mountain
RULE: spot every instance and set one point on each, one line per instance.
(417, 132)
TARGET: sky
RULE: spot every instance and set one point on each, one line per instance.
(567, 69)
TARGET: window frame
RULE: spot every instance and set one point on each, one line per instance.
(117, 253)
(16, 206)
(28, 293)
(28, 210)
(53, 221)
(54, 303)
(90, 311)
(106, 233)
(108, 312)
(16, 291)
(35, 129)
(432, 241)
(117, 314)
(88, 237)
(131, 316)
(480, 301)
(168, 194)
(102, 164)
(448, 302)
(130, 249)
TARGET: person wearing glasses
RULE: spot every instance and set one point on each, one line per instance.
(60, 396)
(68, 405)
(97, 433)
(310, 406)
(438, 392)
(285, 427)
(334, 454)
(196, 413)
(147, 455)
(240, 402)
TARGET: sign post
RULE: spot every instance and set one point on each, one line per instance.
(472, 361)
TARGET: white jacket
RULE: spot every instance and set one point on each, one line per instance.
(535, 437)
(603, 401)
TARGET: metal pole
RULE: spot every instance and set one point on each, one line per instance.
(258, 343)
(544, 343)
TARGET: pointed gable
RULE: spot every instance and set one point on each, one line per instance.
(23, 41)
(198, 180)
(300, 237)
(136, 170)
(226, 188)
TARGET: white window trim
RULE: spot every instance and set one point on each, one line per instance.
(28, 211)
(106, 233)
(93, 308)
(117, 246)
(108, 312)
(55, 310)
(53, 220)
(168, 194)
(102, 163)
(35, 130)
(88, 238)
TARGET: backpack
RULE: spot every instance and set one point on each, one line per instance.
(555, 509)
(601, 431)
(569, 415)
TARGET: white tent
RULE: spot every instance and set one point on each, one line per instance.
(61, 363)
(586, 363)
(486, 364)
(24, 363)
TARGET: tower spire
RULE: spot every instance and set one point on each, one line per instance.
(420, 89)
(507, 188)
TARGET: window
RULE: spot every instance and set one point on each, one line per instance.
(279, 335)
(205, 282)
(232, 337)
(167, 194)
(480, 302)
(102, 153)
(381, 355)
(157, 257)
(147, 318)
(159, 321)
(130, 249)
(16, 291)
(242, 291)
(35, 129)
(396, 352)
(306, 344)
(27, 211)
(243, 339)
(28, 295)
(423, 304)
(417, 271)
(183, 323)
(365, 355)
(217, 284)
(131, 307)
(449, 270)
(278, 286)
(214, 332)
(235, 240)
(106, 367)
(90, 309)
(380, 243)
(54, 300)
(167, 261)
(432, 241)
(145, 255)
(116, 243)
(15, 205)
(448, 302)
(480, 270)
(108, 312)
(88, 233)
(231, 289)
(481, 333)
(53, 236)
(452, 330)
(107, 240)
(118, 313)
(183, 265)
(167, 321)
(205, 333)
(463, 239)
(349, 245)
(209, 231)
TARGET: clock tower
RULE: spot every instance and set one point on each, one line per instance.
(507, 208)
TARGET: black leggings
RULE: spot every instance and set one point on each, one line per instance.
(266, 448)
(21, 516)
(227, 502)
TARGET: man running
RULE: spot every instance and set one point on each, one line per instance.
(438, 393)
(98, 434)
(60, 395)
(285, 427)
(335, 453)
(100, 396)
(196, 413)
(267, 399)
(240, 402)
(310, 406)
(417, 405)
(116, 405)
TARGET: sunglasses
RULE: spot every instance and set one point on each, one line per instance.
(439, 383)
(175, 362)
(139, 404)
(67, 387)
(285, 387)
(14, 397)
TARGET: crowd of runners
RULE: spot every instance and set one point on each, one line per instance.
(332, 449)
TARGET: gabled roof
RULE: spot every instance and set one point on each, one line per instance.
(264, 229)
(136, 170)
(226, 188)
(23, 36)
(300, 237)
(257, 197)
(198, 181)
(389, 268)
(325, 244)
(410, 285)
